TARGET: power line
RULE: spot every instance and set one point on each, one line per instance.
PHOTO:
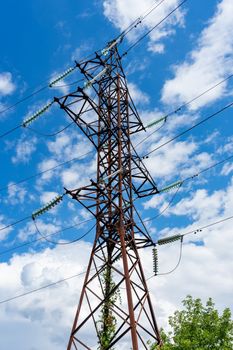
(150, 219)
(209, 168)
(176, 266)
(50, 135)
(178, 109)
(124, 33)
(141, 18)
(23, 99)
(150, 11)
(181, 182)
(207, 226)
(15, 223)
(62, 243)
(189, 129)
(67, 278)
(41, 288)
(43, 237)
(147, 137)
(199, 229)
(200, 95)
(166, 208)
(10, 131)
(44, 171)
(178, 263)
(154, 27)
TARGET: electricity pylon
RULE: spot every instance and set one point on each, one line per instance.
(115, 310)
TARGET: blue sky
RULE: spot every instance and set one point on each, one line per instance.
(183, 57)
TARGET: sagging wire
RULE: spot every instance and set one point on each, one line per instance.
(166, 208)
(51, 135)
(41, 238)
(60, 281)
(179, 260)
(174, 238)
(30, 119)
(50, 205)
(155, 256)
(38, 212)
(154, 131)
(61, 243)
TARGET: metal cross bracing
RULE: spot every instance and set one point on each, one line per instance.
(115, 310)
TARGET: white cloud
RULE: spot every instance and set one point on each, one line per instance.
(207, 64)
(69, 144)
(44, 166)
(4, 233)
(137, 95)
(80, 52)
(227, 147)
(66, 146)
(227, 169)
(44, 318)
(16, 194)
(169, 161)
(201, 205)
(61, 85)
(50, 312)
(45, 229)
(122, 14)
(47, 196)
(24, 149)
(6, 84)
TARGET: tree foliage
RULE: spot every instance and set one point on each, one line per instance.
(199, 327)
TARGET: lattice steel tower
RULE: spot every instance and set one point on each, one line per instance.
(115, 310)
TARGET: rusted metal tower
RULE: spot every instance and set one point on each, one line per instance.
(115, 310)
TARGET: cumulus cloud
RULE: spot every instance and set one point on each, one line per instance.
(210, 62)
(39, 313)
(65, 147)
(122, 14)
(137, 95)
(16, 194)
(4, 233)
(24, 149)
(6, 84)
(45, 228)
(50, 312)
(68, 144)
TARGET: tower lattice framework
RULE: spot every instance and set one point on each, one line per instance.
(115, 310)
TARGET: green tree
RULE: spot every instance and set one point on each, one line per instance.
(199, 327)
